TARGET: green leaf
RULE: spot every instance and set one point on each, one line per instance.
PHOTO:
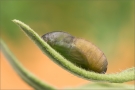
(24, 73)
(124, 76)
(105, 86)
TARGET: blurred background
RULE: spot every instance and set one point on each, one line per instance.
(109, 24)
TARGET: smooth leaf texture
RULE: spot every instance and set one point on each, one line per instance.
(24, 73)
(105, 86)
(124, 76)
(39, 85)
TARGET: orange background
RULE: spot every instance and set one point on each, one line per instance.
(109, 24)
(39, 64)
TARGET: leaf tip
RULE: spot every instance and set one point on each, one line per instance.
(21, 24)
(15, 20)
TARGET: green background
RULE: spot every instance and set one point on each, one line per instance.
(109, 24)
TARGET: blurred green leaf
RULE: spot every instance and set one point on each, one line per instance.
(106, 86)
(27, 76)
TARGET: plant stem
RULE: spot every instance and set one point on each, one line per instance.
(24, 73)
(126, 75)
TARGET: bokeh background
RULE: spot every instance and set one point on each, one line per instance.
(109, 24)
